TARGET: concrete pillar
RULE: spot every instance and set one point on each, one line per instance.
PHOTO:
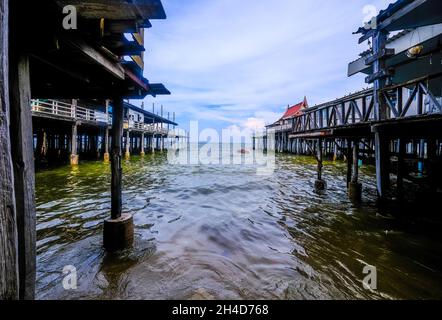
(74, 146)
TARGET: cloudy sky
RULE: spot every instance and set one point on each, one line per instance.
(232, 63)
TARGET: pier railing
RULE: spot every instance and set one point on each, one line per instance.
(411, 99)
(68, 111)
(146, 128)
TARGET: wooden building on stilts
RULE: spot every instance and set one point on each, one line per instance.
(397, 123)
(72, 58)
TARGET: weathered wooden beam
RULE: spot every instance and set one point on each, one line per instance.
(97, 57)
(9, 286)
(382, 165)
(23, 163)
(383, 54)
(401, 13)
(116, 153)
(121, 26)
(382, 74)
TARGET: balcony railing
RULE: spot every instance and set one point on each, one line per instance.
(58, 109)
(67, 111)
(147, 128)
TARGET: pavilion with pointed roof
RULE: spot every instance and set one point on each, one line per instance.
(290, 114)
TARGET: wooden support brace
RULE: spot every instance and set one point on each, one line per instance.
(23, 163)
(9, 276)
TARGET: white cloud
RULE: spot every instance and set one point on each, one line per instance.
(242, 62)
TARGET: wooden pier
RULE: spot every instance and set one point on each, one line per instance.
(73, 130)
(396, 124)
(79, 76)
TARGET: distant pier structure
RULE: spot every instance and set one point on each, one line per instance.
(70, 130)
(396, 123)
(67, 69)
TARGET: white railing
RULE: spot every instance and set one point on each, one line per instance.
(147, 128)
(66, 110)
(69, 111)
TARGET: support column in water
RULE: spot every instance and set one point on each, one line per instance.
(320, 184)
(127, 153)
(119, 229)
(106, 156)
(142, 153)
(74, 146)
(354, 187)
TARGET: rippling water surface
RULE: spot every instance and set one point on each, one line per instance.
(224, 232)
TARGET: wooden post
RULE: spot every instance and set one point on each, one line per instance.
(39, 146)
(319, 155)
(142, 144)
(127, 154)
(354, 187)
(117, 133)
(421, 157)
(380, 111)
(382, 165)
(106, 135)
(355, 174)
(119, 229)
(349, 157)
(9, 276)
(432, 164)
(74, 147)
(401, 169)
(320, 184)
(23, 164)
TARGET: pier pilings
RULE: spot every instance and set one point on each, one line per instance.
(119, 229)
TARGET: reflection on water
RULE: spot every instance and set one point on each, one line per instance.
(223, 232)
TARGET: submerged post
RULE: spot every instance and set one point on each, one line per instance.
(320, 184)
(142, 145)
(74, 147)
(354, 187)
(400, 169)
(119, 229)
(106, 135)
(127, 153)
(349, 157)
